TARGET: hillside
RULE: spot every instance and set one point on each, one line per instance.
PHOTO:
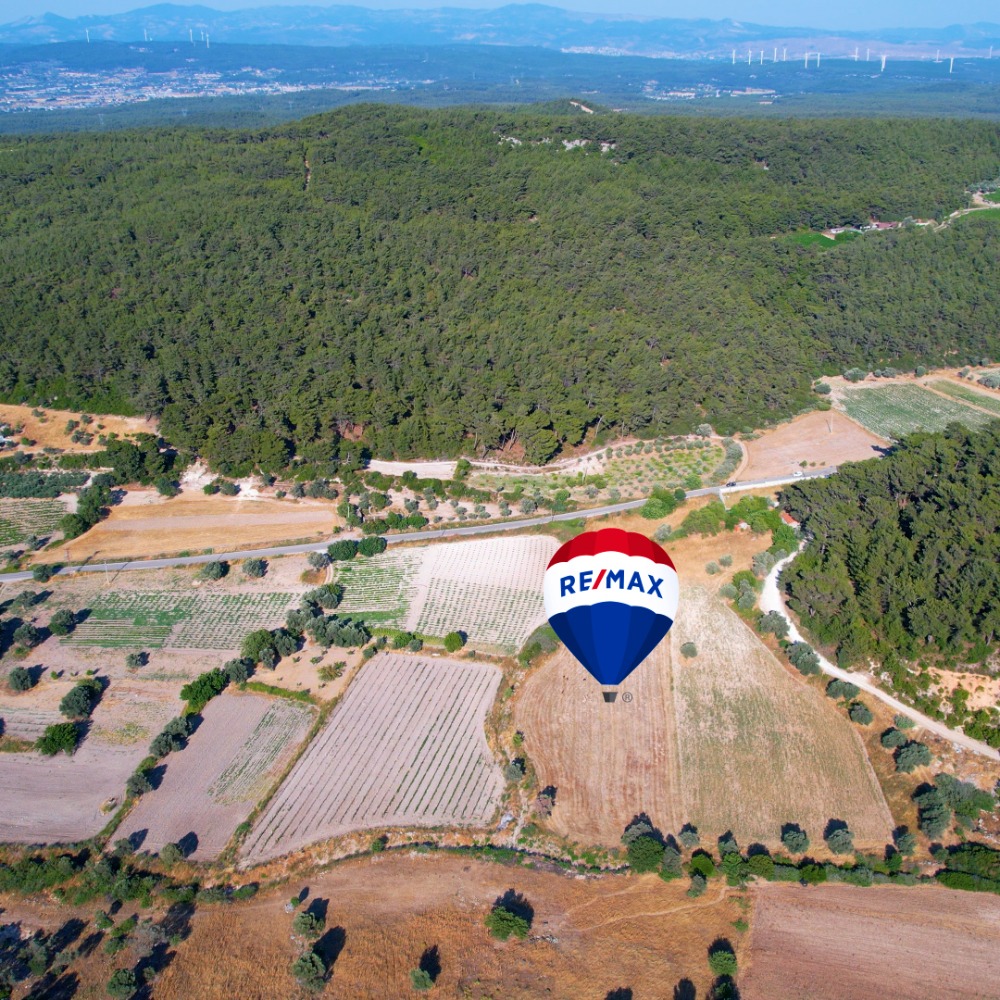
(439, 281)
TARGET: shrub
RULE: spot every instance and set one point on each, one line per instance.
(420, 979)
(912, 755)
(860, 713)
(415, 645)
(309, 971)
(503, 923)
(20, 679)
(308, 924)
(454, 641)
(645, 854)
(63, 622)
(135, 660)
(712, 568)
(199, 692)
(254, 568)
(698, 884)
(689, 649)
(59, 738)
(903, 722)
(122, 984)
(214, 570)
(171, 854)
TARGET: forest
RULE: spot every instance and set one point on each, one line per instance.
(904, 558)
(417, 283)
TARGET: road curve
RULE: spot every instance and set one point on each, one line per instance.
(435, 534)
(771, 599)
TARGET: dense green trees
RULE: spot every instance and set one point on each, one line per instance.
(435, 289)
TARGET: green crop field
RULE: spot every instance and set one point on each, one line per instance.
(966, 395)
(168, 620)
(22, 518)
(382, 588)
(818, 239)
(893, 411)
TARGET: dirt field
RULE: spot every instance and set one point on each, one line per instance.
(405, 747)
(757, 747)
(241, 747)
(194, 523)
(821, 439)
(49, 431)
(836, 942)
(606, 762)
(589, 936)
(59, 799)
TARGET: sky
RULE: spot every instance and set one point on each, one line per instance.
(851, 14)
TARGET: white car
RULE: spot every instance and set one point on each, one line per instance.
(797, 472)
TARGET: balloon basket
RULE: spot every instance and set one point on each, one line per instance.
(609, 696)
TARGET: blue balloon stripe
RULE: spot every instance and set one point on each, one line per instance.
(610, 639)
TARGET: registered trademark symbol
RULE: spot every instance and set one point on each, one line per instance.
(626, 696)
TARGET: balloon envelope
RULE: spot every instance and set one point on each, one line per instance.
(611, 596)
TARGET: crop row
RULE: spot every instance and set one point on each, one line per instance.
(19, 519)
(967, 395)
(892, 411)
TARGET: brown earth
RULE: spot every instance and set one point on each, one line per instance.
(819, 438)
(836, 942)
(195, 523)
(49, 431)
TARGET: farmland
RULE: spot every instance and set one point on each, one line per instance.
(239, 749)
(490, 589)
(806, 764)
(405, 747)
(835, 942)
(157, 620)
(59, 799)
(606, 762)
(22, 518)
(964, 394)
(894, 410)
(679, 750)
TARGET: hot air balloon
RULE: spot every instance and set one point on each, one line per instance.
(611, 596)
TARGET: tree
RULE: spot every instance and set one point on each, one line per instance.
(420, 979)
(254, 568)
(308, 924)
(773, 622)
(912, 755)
(415, 645)
(80, 700)
(20, 679)
(59, 738)
(343, 550)
(171, 854)
(689, 650)
(42, 573)
(839, 838)
(842, 689)
(310, 971)
(893, 738)
(135, 660)
(27, 635)
(722, 960)
(698, 884)
(933, 812)
(372, 545)
(645, 854)
(62, 622)
(214, 570)
(122, 984)
(237, 670)
(905, 840)
(454, 641)
(318, 560)
(503, 923)
(166, 486)
(689, 836)
(860, 713)
(138, 784)
(794, 838)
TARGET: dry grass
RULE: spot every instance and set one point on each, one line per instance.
(49, 430)
(193, 523)
(819, 439)
(837, 942)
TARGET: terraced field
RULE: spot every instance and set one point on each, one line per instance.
(405, 747)
(22, 518)
(164, 620)
(893, 411)
(983, 400)
(490, 589)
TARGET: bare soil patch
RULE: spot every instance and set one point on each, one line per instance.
(242, 745)
(842, 943)
(406, 747)
(819, 439)
(49, 430)
(192, 523)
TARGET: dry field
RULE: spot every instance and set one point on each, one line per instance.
(821, 439)
(405, 747)
(490, 589)
(241, 747)
(59, 799)
(726, 740)
(759, 748)
(606, 762)
(835, 942)
(589, 936)
(193, 523)
(49, 431)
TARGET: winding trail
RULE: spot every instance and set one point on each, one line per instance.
(771, 599)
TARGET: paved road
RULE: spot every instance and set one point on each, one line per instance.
(771, 599)
(412, 536)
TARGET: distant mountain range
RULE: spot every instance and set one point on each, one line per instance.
(533, 25)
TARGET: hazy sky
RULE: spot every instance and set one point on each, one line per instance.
(856, 14)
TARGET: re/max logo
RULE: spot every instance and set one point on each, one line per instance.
(581, 582)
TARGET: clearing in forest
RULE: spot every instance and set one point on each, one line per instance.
(240, 748)
(491, 589)
(894, 410)
(50, 429)
(727, 740)
(981, 398)
(405, 747)
(838, 942)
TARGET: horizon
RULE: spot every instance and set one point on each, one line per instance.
(851, 16)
